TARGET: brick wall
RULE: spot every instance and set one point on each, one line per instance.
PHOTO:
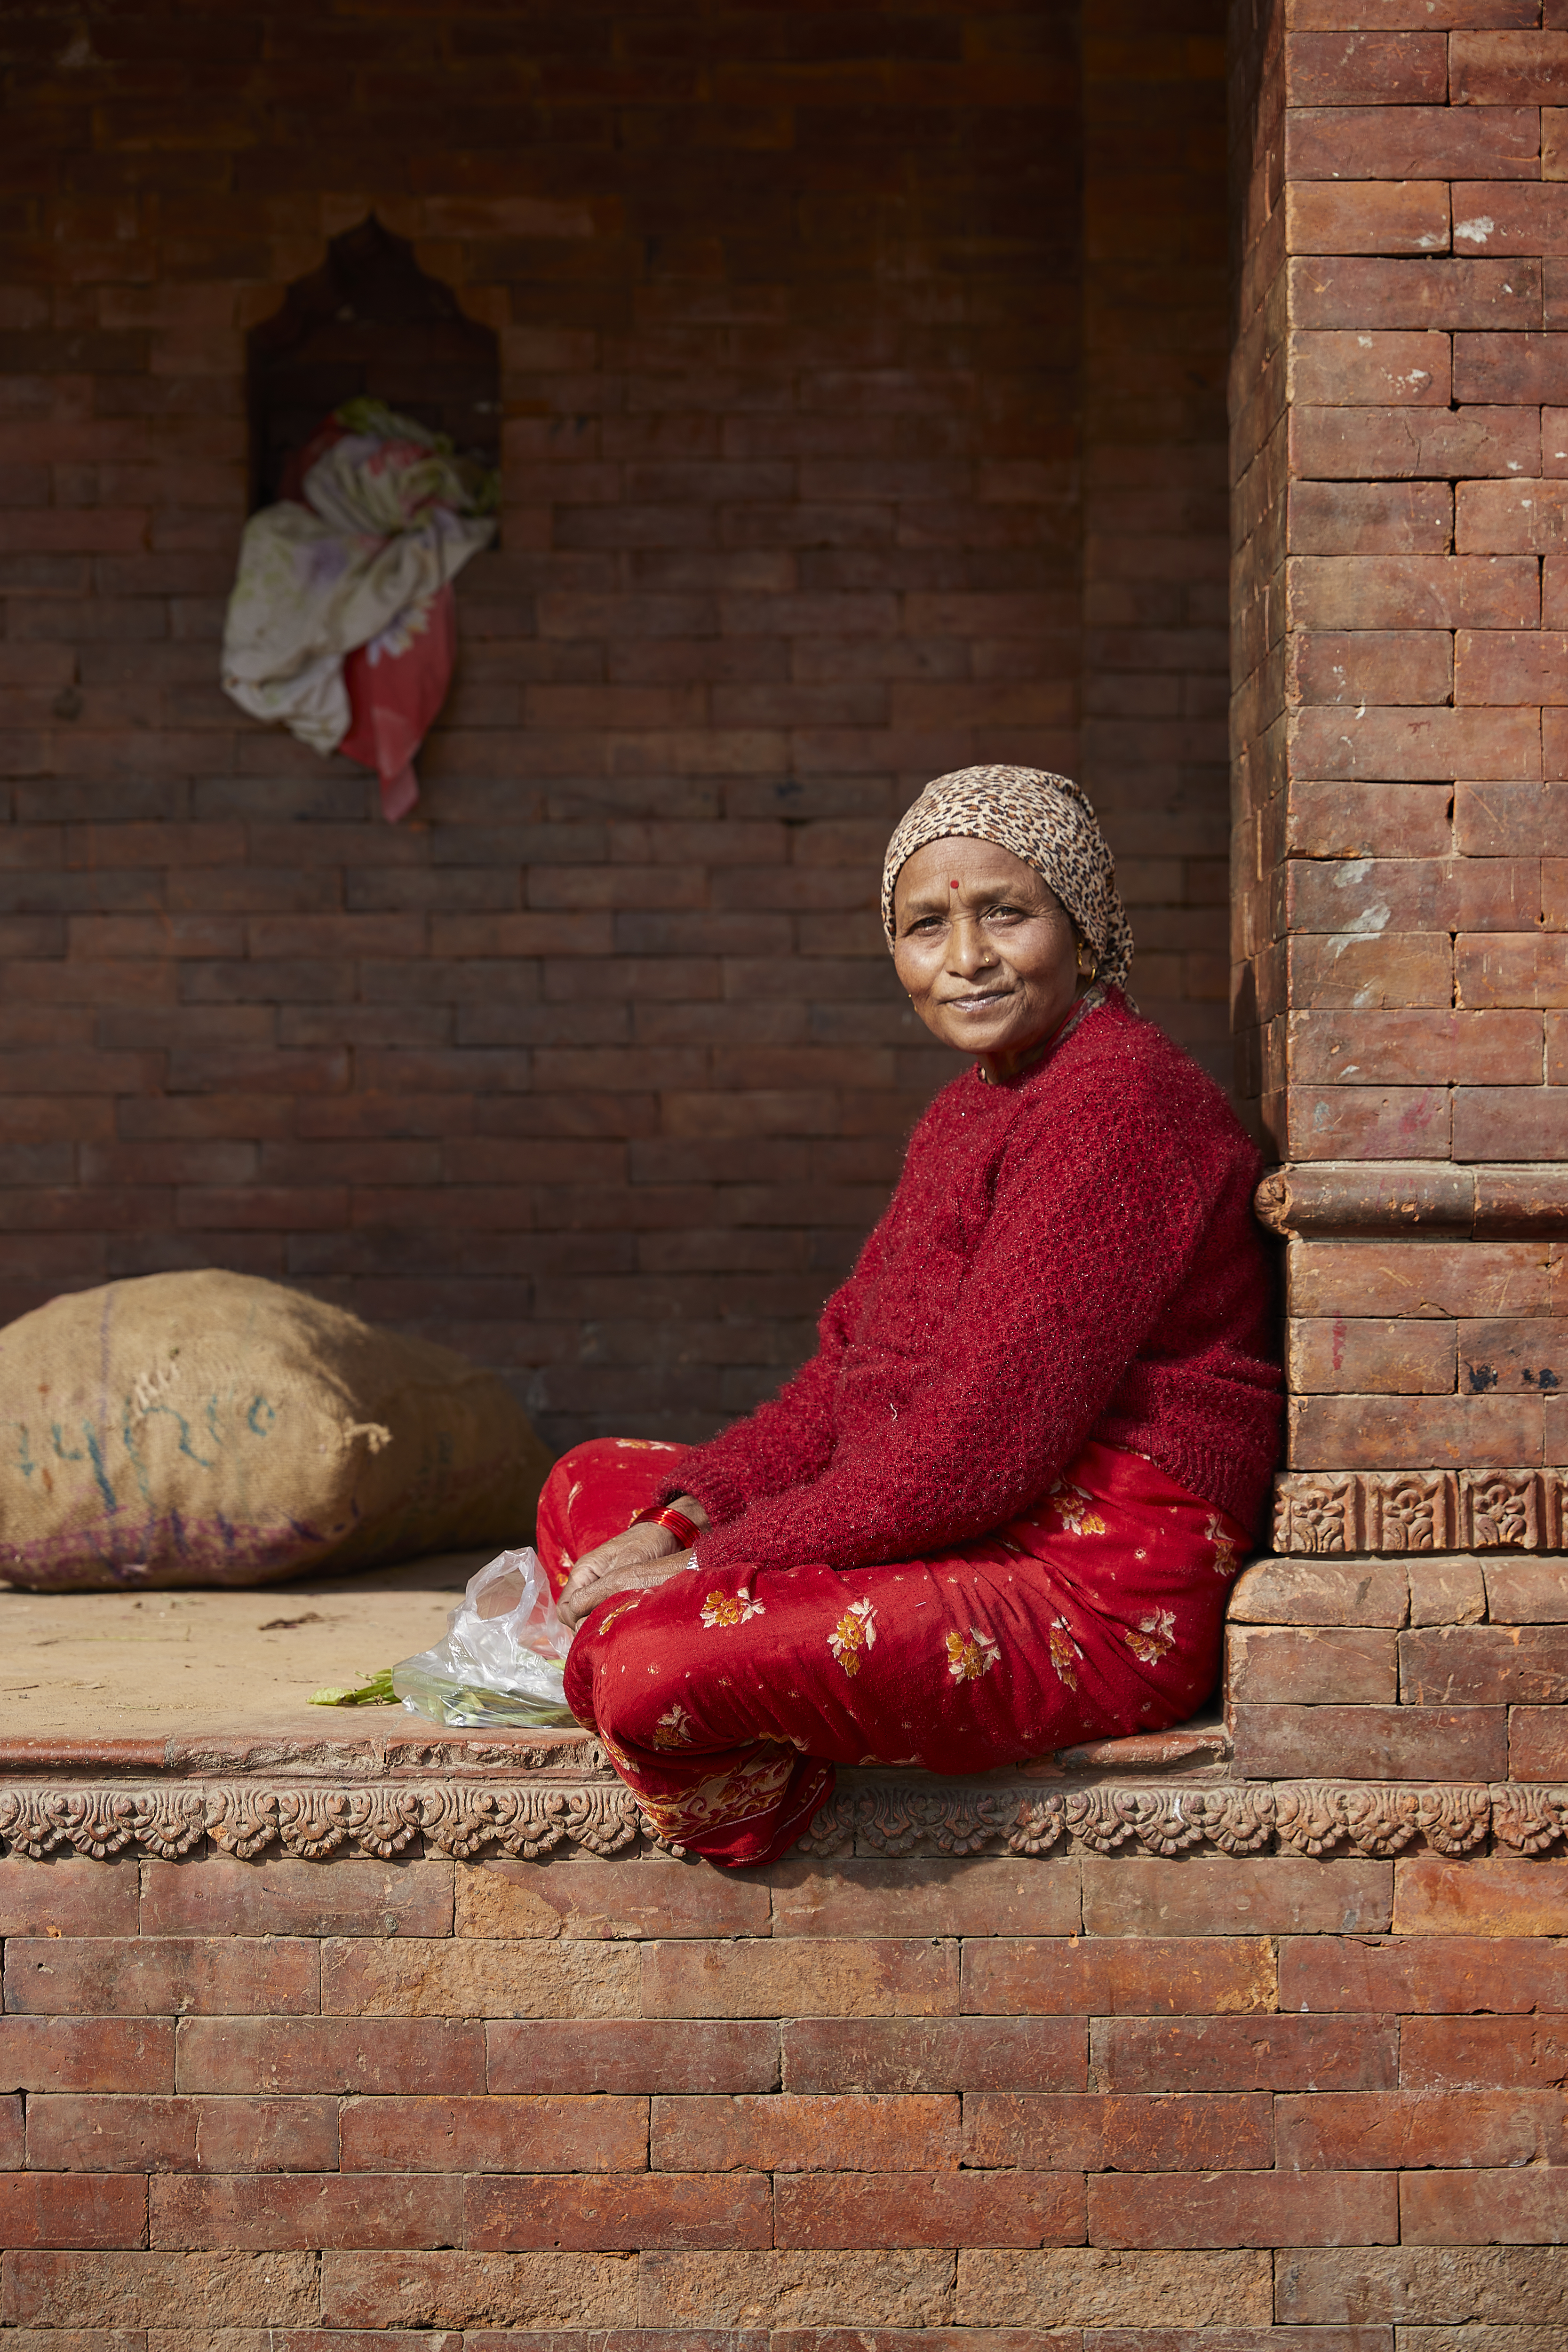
(1408, 1007)
(1135, 2103)
(1451, 1669)
(596, 1069)
(1398, 925)
(1153, 743)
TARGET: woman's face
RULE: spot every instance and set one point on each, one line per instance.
(986, 950)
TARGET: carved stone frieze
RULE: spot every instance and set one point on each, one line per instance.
(1528, 1820)
(1318, 1512)
(1341, 1512)
(1504, 1508)
(312, 1821)
(600, 1816)
(1409, 1510)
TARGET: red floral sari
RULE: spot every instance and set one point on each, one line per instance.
(726, 1698)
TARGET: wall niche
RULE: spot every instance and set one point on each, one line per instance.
(369, 321)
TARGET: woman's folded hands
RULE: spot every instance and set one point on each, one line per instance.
(645, 1555)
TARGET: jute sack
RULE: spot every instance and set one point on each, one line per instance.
(209, 1428)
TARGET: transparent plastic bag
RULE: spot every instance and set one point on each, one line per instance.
(503, 1658)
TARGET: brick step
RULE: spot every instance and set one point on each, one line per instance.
(1449, 1667)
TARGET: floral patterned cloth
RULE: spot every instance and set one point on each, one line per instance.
(340, 622)
(726, 1696)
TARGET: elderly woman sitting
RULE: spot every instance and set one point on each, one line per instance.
(999, 1509)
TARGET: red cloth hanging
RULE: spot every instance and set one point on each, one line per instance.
(343, 622)
(396, 685)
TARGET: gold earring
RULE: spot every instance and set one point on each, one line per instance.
(1086, 971)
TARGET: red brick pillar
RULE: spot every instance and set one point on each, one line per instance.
(1400, 510)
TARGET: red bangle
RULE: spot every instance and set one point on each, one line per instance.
(665, 1515)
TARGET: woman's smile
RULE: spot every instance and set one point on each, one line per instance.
(982, 942)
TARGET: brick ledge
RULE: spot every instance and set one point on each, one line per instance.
(349, 1752)
(532, 1815)
(1490, 1200)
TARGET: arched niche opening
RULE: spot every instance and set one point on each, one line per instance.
(369, 321)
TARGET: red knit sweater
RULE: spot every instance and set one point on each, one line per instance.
(1067, 1256)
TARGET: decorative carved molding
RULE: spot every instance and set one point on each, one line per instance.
(465, 1818)
(1506, 1509)
(1286, 1817)
(1310, 1200)
(1322, 1512)
(1409, 1510)
(1342, 1512)
(313, 1820)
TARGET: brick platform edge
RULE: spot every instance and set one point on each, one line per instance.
(405, 2032)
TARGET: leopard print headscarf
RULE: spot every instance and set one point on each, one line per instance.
(1047, 821)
